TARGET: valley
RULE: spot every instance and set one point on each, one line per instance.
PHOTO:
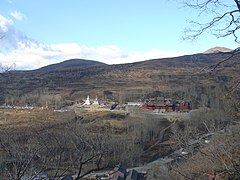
(47, 128)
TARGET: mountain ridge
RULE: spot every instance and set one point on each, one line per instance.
(68, 64)
(129, 82)
(85, 63)
(217, 49)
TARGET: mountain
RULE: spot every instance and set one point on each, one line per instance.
(217, 50)
(69, 64)
(73, 80)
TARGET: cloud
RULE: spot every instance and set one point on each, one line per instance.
(33, 55)
(17, 15)
(27, 53)
(10, 36)
(4, 23)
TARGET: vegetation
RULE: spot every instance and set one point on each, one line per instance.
(62, 143)
(78, 143)
(179, 77)
(205, 142)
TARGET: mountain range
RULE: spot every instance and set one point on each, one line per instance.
(76, 63)
(72, 80)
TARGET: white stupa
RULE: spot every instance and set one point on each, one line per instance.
(96, 102)
(87, 102)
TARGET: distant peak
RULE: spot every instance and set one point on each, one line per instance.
(217, 50)
(70, 64)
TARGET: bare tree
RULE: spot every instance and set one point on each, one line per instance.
(225, 18)
(55, 152)
(18, 155)
(223, 21)
(219, 159)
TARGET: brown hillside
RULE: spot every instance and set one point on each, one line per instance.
(175, 77)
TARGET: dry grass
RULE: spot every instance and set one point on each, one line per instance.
(12, 118)
(92, 119)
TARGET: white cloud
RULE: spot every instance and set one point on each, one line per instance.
(27, 53)
(32, 56)
(18, 15)
(4, 23)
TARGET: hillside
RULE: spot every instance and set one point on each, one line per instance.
(75, 79)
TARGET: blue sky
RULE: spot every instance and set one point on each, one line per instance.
(38, 33)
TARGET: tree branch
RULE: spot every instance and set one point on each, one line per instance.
(238, 4)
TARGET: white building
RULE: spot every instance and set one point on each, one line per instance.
(96, 102)
(87, 102)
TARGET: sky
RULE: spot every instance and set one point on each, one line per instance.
(38, 33)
